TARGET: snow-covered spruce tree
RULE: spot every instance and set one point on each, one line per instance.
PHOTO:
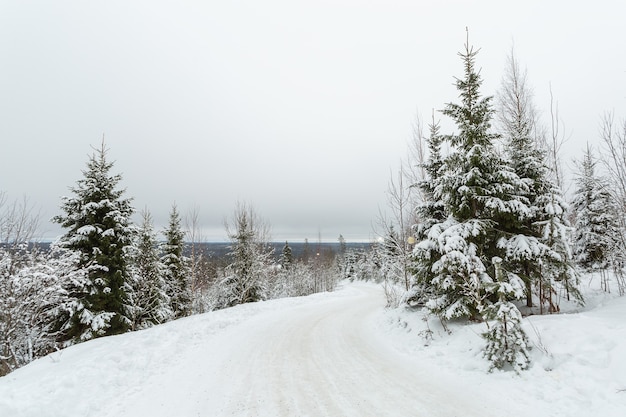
(429, 213)
(245, 278)
(340, 258)
(537, 244)
(286, 257)
(557, 270)
(481, 195)
(596, 230)
(150, 303)
(177, 266)
(507, 344)
(393, 253)
(97, 223)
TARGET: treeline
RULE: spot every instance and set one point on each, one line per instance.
(107, 275)
(480, 229)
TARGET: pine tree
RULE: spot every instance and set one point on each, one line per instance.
(177, 266)
(148, 285)
(97, 223)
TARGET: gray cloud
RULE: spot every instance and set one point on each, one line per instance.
(300, 108)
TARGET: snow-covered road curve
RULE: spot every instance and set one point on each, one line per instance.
(320, 359)
(316, 356)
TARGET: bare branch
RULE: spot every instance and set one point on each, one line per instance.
(557, 140)
(19, 221)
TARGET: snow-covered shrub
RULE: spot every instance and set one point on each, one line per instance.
(36, 303)
(507, 343)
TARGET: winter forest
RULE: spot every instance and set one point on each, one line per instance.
(481, 226)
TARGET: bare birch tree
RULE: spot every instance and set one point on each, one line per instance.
(19, 221)
(613, 157)
(199, 279)
(395, 225)
(555, 142)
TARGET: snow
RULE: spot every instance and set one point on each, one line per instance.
(331, 354)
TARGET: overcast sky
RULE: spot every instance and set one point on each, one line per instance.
(300, 108)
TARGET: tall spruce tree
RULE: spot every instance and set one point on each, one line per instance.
(481, 195)
(177, 266)
(459, 259)
(98, 226)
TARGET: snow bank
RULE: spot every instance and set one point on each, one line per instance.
(578, 358)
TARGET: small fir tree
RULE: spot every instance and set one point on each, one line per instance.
(177, 266)
(507, 343)
(343, 247)
(557, 270)
(596, 225)
(148, 285)
(596, 229)
(250, 256)
(286, 257)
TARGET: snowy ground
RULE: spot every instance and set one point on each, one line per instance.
(336, 354)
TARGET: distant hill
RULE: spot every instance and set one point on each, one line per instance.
(221, 249)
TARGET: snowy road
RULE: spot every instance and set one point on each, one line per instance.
(319, 359)
(314, 356)
(314, 361)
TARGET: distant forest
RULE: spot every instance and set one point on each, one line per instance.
(218, 251)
